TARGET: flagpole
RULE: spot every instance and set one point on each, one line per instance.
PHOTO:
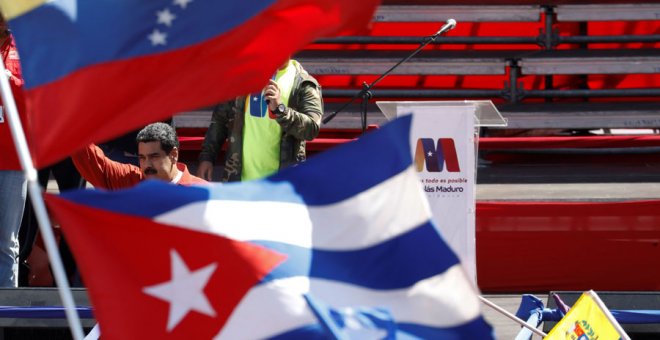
(608, 314)
(511, 316)
(38, 204)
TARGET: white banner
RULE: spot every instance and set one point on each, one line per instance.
(442, 141)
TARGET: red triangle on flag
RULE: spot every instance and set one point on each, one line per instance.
(121, 256)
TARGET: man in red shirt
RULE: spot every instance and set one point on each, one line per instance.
(158, 151)
(13, 185)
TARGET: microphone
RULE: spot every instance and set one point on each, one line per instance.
(450, 25)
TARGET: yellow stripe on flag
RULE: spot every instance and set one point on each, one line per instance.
(585, 320)
(13, 8)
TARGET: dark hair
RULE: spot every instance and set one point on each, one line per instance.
(159, 132)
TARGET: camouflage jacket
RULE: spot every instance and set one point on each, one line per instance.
(300, 123)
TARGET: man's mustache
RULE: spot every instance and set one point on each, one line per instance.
(150, 171)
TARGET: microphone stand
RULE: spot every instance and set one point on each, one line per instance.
(365, 92)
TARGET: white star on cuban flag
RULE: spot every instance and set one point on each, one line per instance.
(185, 291)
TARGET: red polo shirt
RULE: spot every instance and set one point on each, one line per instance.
(105, 173)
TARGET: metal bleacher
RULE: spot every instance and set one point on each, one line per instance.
(582, 115)
(510, 59)
(601, 61)
(632, 10)
(360, 62)
(541, 57)
(434, 13)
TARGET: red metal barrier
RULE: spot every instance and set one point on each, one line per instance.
(543, 246)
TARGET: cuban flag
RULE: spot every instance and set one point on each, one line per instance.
(342, 243)
(104, 67)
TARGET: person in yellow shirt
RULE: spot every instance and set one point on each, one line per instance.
(265, 131)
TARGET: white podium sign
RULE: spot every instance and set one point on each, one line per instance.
(443, 142)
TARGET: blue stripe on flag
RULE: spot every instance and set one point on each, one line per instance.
(396, 263)
(138, 201)
(111, 30)
(142, 200)
(347, 170)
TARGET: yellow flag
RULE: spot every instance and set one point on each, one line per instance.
(13, 8)
(586, 320)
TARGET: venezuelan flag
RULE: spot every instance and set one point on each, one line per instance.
(95, 69)
(586, 320)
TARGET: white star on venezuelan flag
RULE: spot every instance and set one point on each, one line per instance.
(182, 3)
(158, 38)
(165, 17)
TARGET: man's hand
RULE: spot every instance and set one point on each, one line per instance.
(205, 170)
(272, 95)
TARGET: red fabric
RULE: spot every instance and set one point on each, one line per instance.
(8, 155)
(500, 143)
(102, 101)
(105, 173)
(543, 246)
(123, 257)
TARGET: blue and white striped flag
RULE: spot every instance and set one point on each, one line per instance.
(350, 227)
